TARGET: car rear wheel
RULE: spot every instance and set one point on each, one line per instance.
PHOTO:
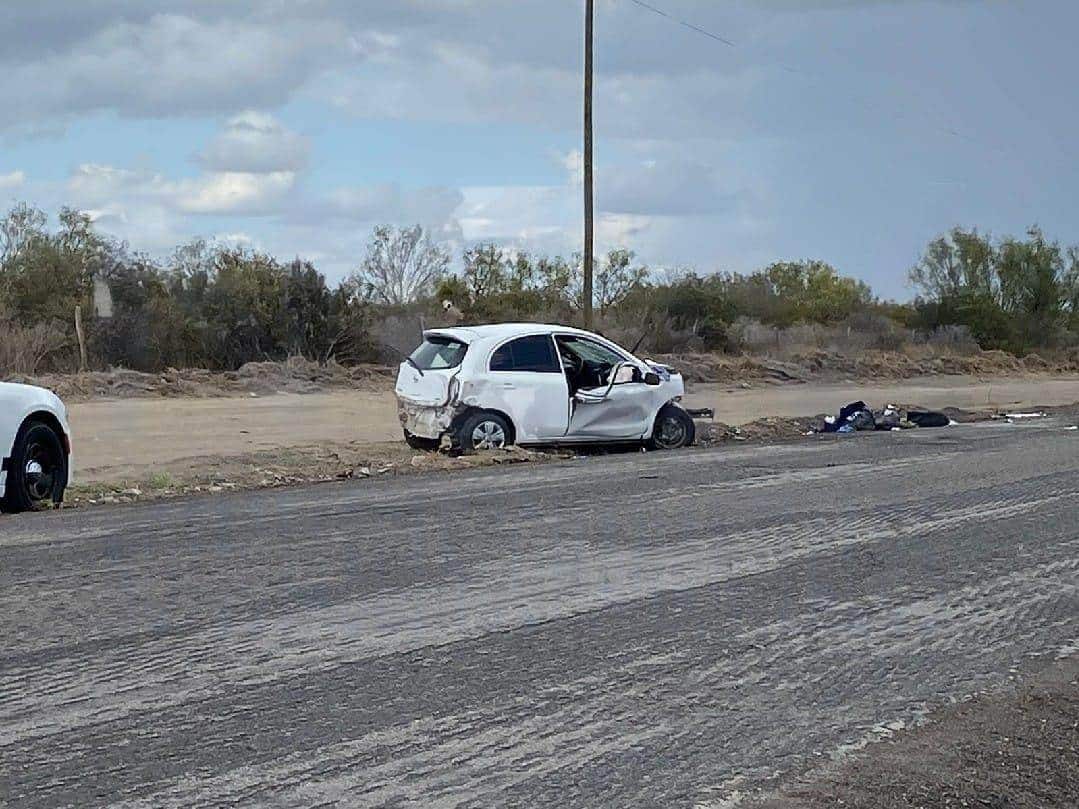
(674, 429)
(484, 431)
(37, 476)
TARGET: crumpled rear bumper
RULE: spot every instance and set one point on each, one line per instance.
(425, 421)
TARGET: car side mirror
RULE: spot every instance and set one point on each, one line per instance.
(652, 378)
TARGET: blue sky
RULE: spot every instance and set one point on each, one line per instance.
(852, 131)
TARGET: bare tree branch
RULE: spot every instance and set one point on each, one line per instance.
(401, 265)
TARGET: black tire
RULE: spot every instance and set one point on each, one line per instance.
(674, 429)
(422, 444)
(37, 476)
(483, 430)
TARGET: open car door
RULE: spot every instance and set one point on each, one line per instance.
(610, 400)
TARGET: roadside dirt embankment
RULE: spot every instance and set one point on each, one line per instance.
(301, 376)
(127, 439)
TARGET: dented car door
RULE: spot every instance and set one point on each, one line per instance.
(527, 383)
(625, 412)
(620, 408)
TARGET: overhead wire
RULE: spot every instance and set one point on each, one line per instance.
(683, 23)
(942, 128)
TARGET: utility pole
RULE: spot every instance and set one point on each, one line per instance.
(589, 21)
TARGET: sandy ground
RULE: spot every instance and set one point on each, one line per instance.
(1015, 748)
(131, 438)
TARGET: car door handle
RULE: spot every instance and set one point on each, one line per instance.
(508, 385)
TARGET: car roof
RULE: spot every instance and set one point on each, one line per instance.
(500, 331)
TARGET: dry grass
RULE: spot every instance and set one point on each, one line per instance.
(860, 334)
(24, 349)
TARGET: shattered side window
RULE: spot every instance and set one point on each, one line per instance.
(439, 352)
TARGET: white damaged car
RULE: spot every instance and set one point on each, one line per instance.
(486, 387)
(35, 448)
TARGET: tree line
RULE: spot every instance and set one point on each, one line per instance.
(1019, 295)
(73, 297)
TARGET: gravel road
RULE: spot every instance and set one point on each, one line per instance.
(635, 630)
(128, 439)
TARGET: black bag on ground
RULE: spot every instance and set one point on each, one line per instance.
(928, 418)
(857, 415)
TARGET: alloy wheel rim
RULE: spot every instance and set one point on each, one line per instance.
(39, 473)
(488, 435)
(671, 433)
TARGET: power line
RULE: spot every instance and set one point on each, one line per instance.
(943, 129)
(683, 23)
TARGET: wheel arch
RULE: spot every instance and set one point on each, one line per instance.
(48, 418)
(655, 414)
(45, 417)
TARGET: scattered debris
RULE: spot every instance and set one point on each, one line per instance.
(858, 417)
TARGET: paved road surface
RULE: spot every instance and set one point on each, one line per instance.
(634, 630)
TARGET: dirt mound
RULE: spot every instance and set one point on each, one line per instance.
(295, 375)
(760, 431)
(827, 366)
(298, 375)
(720, 368)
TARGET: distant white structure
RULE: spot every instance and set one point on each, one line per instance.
(102, 298)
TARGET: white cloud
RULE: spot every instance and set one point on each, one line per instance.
(235, 193)
(255, 142)
(168, 65)
(13, 180)
(238, 239)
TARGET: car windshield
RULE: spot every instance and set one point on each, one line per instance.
(438, 352)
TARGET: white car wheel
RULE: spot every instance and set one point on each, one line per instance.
(488, 435)
(484, 431)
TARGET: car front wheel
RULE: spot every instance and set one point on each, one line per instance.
(674, 429)
(37, 476)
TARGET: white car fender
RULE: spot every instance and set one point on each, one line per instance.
(17, 404)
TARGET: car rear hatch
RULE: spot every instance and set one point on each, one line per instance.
(424, 379)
